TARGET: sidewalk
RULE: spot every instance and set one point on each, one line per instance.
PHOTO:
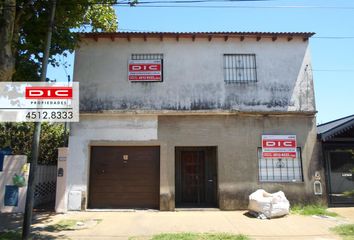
(142, 224)
(122, 225)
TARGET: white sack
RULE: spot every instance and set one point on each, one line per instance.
(271, 205)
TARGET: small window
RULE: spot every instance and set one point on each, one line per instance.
(240, 68)
(280, 169)
(147, 56)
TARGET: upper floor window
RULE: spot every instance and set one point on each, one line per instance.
(147, 56)
(240, 68)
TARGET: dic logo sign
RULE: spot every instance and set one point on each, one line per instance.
(49, 93)
(279, 143)
(144, 67)
(279, 146)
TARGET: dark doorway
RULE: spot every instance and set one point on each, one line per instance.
(340, 167)
(196, 177)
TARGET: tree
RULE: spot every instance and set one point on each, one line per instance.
(23, 26)
(18, 136)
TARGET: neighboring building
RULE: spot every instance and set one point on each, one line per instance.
(337, 138)
(191, 135)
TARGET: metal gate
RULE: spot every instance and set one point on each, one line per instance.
(340, 173)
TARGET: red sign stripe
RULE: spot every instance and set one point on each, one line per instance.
(49, 93)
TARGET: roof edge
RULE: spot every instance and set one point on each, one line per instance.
(330, 133)
(322, 124)
(96, 35)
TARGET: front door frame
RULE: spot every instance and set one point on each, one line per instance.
(326, 149)
(210, 153)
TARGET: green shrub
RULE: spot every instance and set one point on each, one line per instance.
(18, 136)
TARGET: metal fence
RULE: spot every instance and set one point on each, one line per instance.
(46, 179)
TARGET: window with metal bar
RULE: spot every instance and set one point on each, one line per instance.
(147, 56)
(280, 169)
(240, 68)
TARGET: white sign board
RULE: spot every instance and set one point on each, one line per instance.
(145, 70)
(279, 146)
(39, 102)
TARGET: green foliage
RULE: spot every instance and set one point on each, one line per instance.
(198, 236)
(345, 230)
(32, 18)
(63, 225)
(348, 193)
(10, 235)
(18, 136)
(15, 235)
(309, 210)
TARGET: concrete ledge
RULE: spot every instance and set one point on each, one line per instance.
(199, 112)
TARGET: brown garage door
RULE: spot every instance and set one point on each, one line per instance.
(124, 177)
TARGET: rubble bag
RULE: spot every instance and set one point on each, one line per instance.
(19, 180)
(270, 204)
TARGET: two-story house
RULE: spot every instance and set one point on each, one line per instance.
(173, 120)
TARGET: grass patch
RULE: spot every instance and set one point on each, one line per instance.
(16, 235)
(71, 224)
(348, 193)
(346, 231)
(10, 235)
(62, 225)
(198, 236)
(309, 210)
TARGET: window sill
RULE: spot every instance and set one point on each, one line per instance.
(280, 182)
(240, 82)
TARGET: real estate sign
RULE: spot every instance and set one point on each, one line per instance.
(145, 70)
(279, 146)
(39, 102)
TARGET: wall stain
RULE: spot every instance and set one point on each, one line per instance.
(199, 96)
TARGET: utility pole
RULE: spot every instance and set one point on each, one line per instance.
(27, 219)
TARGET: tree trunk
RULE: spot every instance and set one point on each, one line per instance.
(7, 22)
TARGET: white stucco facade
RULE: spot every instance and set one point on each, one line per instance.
(101, 129)
(115, 111)
(193, 75)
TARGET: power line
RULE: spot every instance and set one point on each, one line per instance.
(335, 38)
(141, 5)
(174, 4)
(133, 3)
(333, 70)
(192, 1)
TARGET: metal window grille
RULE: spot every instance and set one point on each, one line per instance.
(240, 68)
(280, 170)
(147, 56)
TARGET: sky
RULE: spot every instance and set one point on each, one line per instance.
(332, 48)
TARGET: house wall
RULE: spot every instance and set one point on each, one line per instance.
(101, 129)
(236, 138)
(193, 77)
(116, 112)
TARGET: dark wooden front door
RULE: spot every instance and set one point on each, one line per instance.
(124, 177)
(192, 176)
(195, 177)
